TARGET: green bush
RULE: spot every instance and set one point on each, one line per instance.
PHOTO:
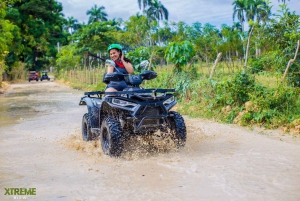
(256, 65)
(233, 91)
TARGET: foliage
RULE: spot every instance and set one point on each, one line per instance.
(233, 92)
(40, 24)
(97, 14)
(137, 56)
(257, 64)
(182, 82)
(137, 28)
(94, 37)
(280, 38)
(71, 25)
(9, 38)
(157, 11)
(67, 57)
(272, 105)
(179, 53)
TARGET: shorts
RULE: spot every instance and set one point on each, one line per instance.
(118, 85)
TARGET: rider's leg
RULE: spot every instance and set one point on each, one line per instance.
(110, 89)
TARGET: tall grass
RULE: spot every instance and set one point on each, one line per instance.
(89, 79)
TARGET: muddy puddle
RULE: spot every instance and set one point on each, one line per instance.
(30, 100)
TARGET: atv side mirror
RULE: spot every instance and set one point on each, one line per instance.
(144, 64)
(109, 62)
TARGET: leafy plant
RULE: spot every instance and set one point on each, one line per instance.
(179, 53)
(138, 55)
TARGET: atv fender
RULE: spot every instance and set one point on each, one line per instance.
(93, 110)
(86, 101)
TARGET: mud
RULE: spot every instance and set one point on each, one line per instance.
(41, 147)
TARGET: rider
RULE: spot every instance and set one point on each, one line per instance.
(123, 65)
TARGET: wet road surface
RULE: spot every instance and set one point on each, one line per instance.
(41, 147)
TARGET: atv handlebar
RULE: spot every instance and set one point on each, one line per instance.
(153, 91)
(134, 80)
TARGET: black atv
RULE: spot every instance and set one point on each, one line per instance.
(118, 116)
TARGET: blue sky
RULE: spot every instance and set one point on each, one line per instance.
(215, 12)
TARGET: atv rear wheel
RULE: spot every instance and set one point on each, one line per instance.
(86, 128)
(111, 137)
(178, 129)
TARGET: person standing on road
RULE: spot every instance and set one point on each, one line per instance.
(123, 65)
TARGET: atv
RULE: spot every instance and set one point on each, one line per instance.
(114, 117)
(33, 75)
(45, 76)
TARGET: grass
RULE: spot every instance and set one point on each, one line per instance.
(268, 80)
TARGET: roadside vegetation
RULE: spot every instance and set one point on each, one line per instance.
(246, 73)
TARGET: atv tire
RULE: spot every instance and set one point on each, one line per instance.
(86, 128)
(111, 137)
(178, 129)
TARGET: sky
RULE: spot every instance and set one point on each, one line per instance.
(215, 12)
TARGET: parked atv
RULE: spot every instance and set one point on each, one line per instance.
(118, 116)
(33, 75)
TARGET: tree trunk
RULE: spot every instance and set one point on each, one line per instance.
(84, 60)
(215, 65)
(247, 50)
(290, 61)
(150, 63)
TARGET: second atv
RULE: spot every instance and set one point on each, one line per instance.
(118, 116)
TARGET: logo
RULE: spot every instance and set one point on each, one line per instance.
(19, 192)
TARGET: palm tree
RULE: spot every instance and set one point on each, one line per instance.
(282, 1)
(71, 25)
(263, 12)
(237, 27)
(157, 11)
(117, 23)
(96, 14)
(239, 10)
(259, 9)
(144, 4)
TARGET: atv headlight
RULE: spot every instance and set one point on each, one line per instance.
(169, 101)
(123, 103)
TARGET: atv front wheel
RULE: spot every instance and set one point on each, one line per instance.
(86, 128)
(111, 137)
(178, 129)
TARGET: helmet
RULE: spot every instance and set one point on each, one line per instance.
(114, 46)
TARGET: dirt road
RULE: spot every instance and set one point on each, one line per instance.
(41, 147)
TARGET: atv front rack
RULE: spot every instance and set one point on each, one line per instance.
(138, 93)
